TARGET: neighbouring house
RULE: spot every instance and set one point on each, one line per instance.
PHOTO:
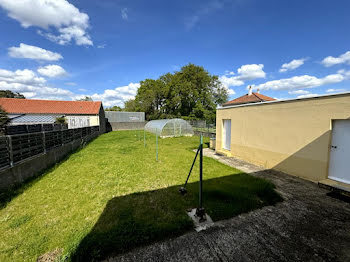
(306, 137)
(32, 111)
(251, 97)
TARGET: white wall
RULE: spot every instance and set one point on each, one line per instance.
(78, 121)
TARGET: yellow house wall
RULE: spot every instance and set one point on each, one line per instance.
(292, 136)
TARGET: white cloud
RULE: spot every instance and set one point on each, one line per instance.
(342, 59)
(31, 86)
(101, 46)
(250, 72)
(33, 52)
(299, 92)
(71, 84)
(202, 11)
(335, 90)
(300, 82)
(26, 77)
(307, 95)
(230, 91)
(345, 73)
(28, 83)
(52, 71)
(244, 73)
(118, 95)
(69, 22)
(191, 21)
(292, 64)
(230, 81)
(124, 13)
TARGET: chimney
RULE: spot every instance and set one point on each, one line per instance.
(258, 91)
(250, 92)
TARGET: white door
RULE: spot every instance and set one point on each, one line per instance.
(226, 134)
(340, 152)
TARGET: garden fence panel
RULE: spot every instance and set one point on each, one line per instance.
(26, 145)
(5, 160)
(15, 148)
(53, 139)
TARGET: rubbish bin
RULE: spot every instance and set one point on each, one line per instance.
(212, 143)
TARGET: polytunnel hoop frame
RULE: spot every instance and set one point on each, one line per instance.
(158, 126)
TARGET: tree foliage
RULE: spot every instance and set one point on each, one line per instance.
(10, 94)
(86, 98)
(61, 120)
(114, 108)
(189, 93)
(130, 106)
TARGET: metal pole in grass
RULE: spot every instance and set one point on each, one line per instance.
(200, 212)
(157, 147)
(201, 172)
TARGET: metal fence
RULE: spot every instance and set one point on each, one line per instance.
(124, 117)
(203, 126)
(15, 148)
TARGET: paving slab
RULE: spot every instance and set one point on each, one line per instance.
(308, 225)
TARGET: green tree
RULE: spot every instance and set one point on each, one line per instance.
(191, 93)
(10, 94)
(114, 108)
(151, 98)
(61, 120)
(130, 106)
(86, 98)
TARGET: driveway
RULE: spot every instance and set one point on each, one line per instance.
(308, 225)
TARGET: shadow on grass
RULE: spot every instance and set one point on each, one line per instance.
(7, 195)
(142, 218)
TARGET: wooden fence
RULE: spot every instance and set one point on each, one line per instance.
(15, 148)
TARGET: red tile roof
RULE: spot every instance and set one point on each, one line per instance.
(32, 106)
(253, 98)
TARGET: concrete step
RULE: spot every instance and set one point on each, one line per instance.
(336, 186)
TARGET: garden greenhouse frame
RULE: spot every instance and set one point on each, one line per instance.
(167, 128)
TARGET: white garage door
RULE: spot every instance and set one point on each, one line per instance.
(226, 134)
(340, 152)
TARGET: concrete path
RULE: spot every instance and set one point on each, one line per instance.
(307, 226)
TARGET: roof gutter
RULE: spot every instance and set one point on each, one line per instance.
(284, 100)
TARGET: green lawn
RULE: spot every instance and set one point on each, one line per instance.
(112, 196)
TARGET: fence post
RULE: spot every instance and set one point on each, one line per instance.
(9, 139)
(44, 141)
(201, 173)
(62, 136)
(157, 147)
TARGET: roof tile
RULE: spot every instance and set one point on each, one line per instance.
(33, 106)
(253, 98)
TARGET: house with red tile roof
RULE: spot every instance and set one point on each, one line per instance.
(33, 111)
(251, 97)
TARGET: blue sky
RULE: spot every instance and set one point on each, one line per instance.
(58, 49)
